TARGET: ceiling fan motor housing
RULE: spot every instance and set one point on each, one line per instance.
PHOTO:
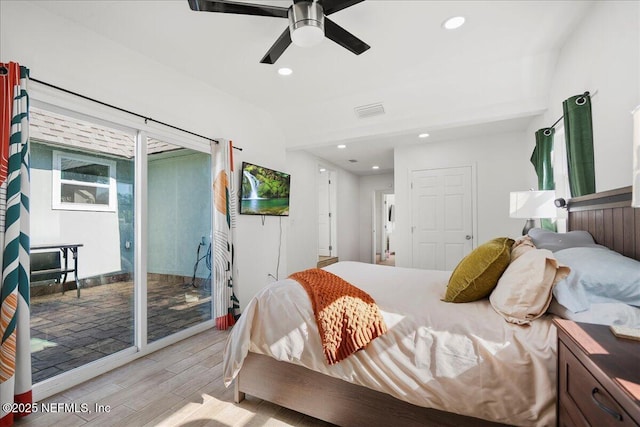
(306, 23)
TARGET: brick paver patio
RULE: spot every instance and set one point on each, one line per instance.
(67, 332)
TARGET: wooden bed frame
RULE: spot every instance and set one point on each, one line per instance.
(610, 219)
(608, 216)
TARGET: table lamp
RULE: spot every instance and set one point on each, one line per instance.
(532, 205)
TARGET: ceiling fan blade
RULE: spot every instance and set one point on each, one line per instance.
(343, 37)
(333, 6)
(239, 8)
(278, 48)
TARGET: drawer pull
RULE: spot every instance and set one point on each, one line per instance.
(606, 409)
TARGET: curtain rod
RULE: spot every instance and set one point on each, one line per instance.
(146, 119)
(562, 117)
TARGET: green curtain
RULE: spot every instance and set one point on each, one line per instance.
(541, 158)
(578, 132)
(543, 164)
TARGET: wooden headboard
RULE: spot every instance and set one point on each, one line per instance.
(610, 219)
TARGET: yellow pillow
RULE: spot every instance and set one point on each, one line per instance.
(477, 274)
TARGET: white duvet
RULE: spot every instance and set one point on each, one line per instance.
(462, 358)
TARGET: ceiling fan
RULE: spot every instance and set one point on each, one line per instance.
(308, 22)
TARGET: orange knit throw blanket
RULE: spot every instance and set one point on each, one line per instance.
(348, 318)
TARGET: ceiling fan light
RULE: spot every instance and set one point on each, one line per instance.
(306, 23)
(307, 36)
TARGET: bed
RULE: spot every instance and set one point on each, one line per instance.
(439, 363)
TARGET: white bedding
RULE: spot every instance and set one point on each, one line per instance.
(462, 358)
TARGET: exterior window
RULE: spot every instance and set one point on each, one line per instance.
(83, 183)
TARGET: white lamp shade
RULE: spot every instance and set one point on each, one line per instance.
(532, 204)
(635, 202)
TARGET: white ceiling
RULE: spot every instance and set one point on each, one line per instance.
(490, 75)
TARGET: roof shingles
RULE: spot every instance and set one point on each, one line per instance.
(66, 132)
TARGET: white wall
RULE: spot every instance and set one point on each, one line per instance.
(303, 211)
(368, 186)
(603, 54)
(303, 219)
(348, 212)
(500, 162)
(71, 56)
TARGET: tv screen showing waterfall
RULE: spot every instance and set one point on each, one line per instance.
(264, 191)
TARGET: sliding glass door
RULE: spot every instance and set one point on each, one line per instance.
(120, 241)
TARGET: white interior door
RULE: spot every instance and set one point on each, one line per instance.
(324, 214)
(442, 217)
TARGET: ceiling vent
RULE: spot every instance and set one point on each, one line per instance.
(370, 110)
(353, 161)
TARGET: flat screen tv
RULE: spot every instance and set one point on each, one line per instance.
(264, 191)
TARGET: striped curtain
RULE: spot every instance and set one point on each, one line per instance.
(15, 354)
(226, 305)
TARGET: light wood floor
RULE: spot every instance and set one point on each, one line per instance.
(391, 260)
(180, 385)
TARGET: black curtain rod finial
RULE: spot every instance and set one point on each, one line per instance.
(234, 147)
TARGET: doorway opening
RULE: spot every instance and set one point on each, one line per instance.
(383, 220)
(327, 203)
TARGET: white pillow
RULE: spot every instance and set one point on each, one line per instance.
(597, 275)
(524, 290)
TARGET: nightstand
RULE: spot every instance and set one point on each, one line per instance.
(598, 376)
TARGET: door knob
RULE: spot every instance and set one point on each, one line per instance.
(468, 237)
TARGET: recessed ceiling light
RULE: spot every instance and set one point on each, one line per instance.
(423, 135)
(453, 23)
(284, 71)
(323, 170)
(342, 146)
(375, 167)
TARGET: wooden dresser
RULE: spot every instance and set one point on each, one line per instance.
(598, 376)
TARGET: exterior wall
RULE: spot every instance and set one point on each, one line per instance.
(103, 234)
(179, 204)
